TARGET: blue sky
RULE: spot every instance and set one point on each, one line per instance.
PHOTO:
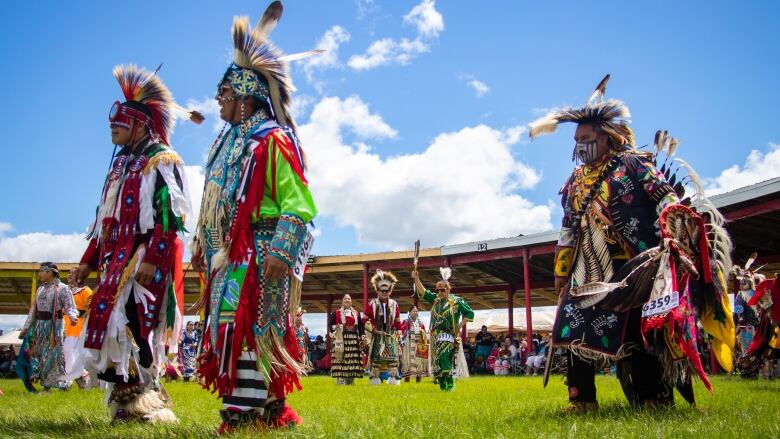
(425, 139)
(704, 71)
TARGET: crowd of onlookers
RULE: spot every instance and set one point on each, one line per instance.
(506, 354)
(485, 354)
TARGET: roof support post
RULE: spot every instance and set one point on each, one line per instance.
(510, 304)
(327, 323)
(527, 287)
(365, 287)
(33, 289)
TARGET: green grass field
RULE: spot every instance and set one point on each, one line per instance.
(481, 407)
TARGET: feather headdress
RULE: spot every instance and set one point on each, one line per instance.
(612, 116)
(383, 278)
(446, 274)
(156, 101)
(255, 55)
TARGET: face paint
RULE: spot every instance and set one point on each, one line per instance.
(122, 115)
(586, 152)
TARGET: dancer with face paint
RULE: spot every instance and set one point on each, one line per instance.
(609, 253)
(134, 245)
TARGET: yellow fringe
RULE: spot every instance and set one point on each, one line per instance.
(268, 345)
(296, 287)
(126, 275)
(163, 158)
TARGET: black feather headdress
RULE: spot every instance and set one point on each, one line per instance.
(612, 116)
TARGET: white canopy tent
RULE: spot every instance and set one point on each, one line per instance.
(11, 338)
(497, 321)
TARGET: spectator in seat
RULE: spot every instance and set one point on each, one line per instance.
(485, 343)
(536, 362)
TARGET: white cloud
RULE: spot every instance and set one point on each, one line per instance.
(513, 135)
(196, 180)
(758, 167)
(479, 87)
(332, 114)
(300, 105)
(42, 246)
(45, 246)
(365, 7)
(329, 42)
(387, 51)
(428, 21)
(450, 192)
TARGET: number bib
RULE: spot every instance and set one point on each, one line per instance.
(661, 305)
(299, 268)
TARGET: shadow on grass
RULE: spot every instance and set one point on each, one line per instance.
(614, 411)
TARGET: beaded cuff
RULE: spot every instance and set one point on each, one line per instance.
(288, 238)
(159, 249)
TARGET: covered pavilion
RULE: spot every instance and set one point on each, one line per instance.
(490, 274)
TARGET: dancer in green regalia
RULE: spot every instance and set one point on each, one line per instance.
(449, 314)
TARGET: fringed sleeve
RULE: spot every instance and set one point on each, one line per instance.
(291, 194)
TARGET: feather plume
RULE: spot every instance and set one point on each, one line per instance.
(719, 240)
(446, 273)
(253, 51)
(600, 91)
(301, 55)
(612, 116)
(750, 261)
(674, 144)
(269, 20)
(380, 276)
(638, 275)
(591, 300)
(544, 125)
(147, 88)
